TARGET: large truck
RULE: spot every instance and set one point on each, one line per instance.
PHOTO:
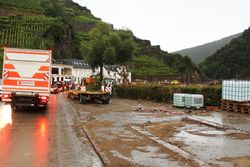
(26, 77)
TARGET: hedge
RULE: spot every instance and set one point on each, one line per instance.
(158, 93)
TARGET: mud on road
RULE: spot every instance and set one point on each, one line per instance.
(110, 128)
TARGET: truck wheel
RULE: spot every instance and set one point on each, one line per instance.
(13, 107)
(105, 102)
(83, 99)
(36, 107)
(43, 108)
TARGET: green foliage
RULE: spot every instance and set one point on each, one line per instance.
(53, 30)
(61, 38)
(31, 5)
(212, 94)
(108, 47)
(53, 8)
(23, 31)
(149, 66)
(187, 70)
(85, 19)
(231, 61)
(94, 85)
(76, 9)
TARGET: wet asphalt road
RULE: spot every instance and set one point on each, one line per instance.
(43, 138)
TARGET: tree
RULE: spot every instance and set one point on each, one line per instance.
(109, 47)
(186, 68)
(61, 37)
(231, 61)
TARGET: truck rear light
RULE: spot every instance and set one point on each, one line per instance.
(44, 98)
(7, 96)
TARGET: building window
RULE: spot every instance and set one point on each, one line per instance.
(62, 71)
(55, 70)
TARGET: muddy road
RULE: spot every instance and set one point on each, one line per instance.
(123, 133)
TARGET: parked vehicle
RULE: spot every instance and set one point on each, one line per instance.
(175, 82)
(26, 77)
(54, 89)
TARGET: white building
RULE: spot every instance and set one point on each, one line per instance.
(70, 70)
(75, 70)
(117, 73)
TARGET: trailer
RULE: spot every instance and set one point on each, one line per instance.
(26, 77)
(85, 96)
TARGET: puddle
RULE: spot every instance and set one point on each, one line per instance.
(210, 147)
(148, 155)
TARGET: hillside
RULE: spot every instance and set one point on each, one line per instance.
(146, 67)
(44, 24)
(64, 26)
(182, 68)
(200, 53)
(231, 61)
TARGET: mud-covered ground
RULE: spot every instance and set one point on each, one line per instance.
(122, 133)
(110, 127)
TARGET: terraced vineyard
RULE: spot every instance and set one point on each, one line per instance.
(33, 5)
(23, 31)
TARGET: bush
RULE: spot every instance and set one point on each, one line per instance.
(158, 93)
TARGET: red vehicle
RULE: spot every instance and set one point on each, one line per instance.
(54, 89)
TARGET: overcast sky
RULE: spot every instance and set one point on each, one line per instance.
(174, 24)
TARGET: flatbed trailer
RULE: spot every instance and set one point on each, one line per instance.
(85, 96)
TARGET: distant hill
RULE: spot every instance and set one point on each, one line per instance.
(232, 61)
(200, 53)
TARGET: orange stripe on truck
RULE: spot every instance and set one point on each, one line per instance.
(44, 68)
(9, 82)
(9, 66)
(38, 75)
(13, 74)
(41, 84)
